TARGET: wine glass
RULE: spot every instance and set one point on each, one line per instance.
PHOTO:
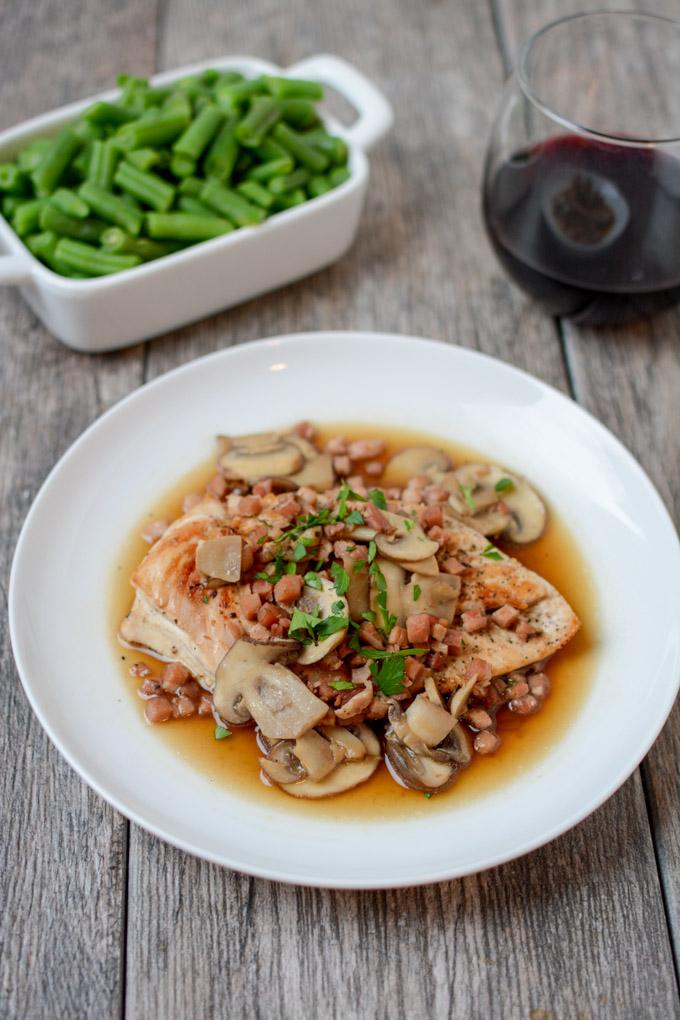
(582, 177)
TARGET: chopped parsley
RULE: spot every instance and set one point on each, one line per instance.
(344, 494)
(341, 685)
(378, 653)
(389, 674)
(340, 578)
(377, 498)
(354, 518)
(492, 553)
(359, 565)
(372, 551)
(337, 607)
(312, 580)
(221, 732)
(301, 547)
(467, 491)
(369, 616)
(417, 592)
(378, 578)
(409, 523)
(291, 568)
(504, 485)
(309, 628)
(205, 600)
(262, 575)
(427, 796)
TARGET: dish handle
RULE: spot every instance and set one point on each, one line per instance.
(375, 113)
(14, 269)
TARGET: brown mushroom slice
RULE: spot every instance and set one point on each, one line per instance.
(438, 595)
(429, 567)
(317, 473)
(220, 557)
(349, 746)
(459, 698)
(415, 460)
(407, 542)
(430, 722)
(358, 592)
(395, 581)
(414, 764)
(315, 755)
(526, 514)
(252, 684)
(251, 461)
(281, 765)
(320, 602)
(346, 776)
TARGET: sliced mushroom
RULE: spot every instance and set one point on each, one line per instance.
(320, 602)
(358, 703)
(459, 698)
(357, 593)
(252, 458)
(317, 473)
(323, 762)
(252, 684)
(414, 764)
(407, 542)
(514, 510)
(429, 721)
(428, 566)
(415, 460)
(395, 579)
(438, 595)
(220, 558)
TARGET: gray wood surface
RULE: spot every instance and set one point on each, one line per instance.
(102, 920)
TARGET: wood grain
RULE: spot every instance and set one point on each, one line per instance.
(629, 378)
(63, 851)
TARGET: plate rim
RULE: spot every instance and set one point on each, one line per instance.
(283, 876)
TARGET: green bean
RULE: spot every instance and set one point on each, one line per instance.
(318, 185)
(32, 154)
(52, 166)
(228, 78)
(144, 158)
(107, 113)
(274, 168)
(290, 199)
(26, 218)
(200, 132)
(189, 204)
(152, 132)
(221, 156)
(118, 242)
(182, 166)
(87, 131)
(229, 203)
(42, 245)
(209, 77)
(230, 96)
(338, 176)
(149, 188)
(294, 88)
(190, 186)
(111, 208)
(301, 150)
(254, 192)
(269, 150)
(13, 180)
(185, 227)
(68, 202)
(280, 185)
(10, 204)
(83, 258)
(81, 163)
(264, 113)
(243, 163)
(179, 103)
(102, 164)
(130, 201)
(51, 218)
(332, 146)
(299, 113)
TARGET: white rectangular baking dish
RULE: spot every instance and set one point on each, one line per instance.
(116, 311)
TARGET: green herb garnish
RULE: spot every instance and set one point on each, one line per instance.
(340, 578)
(389, 675)
(380, 585)
(312, 580)
(205, 600)
(417, 592)
(427, 796)
(308, 627)
(221, 732)
(467, 491)
(354, 518)
(372, 551)
(409, 523)
(341, 685)
(344, 494)
(492, 553)
(338, 607)
(377, 498)
(369, 616)
(504, 485)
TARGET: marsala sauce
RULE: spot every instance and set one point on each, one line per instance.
(233, 762)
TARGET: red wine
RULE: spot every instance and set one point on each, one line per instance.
(590, 230)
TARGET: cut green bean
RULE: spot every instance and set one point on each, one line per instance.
(299, 113)
(51, 218)
(32, 154)
(301, 150)
(149, 188)
(294, 88)
(152, 132)
(254, 192)
(81, 163)
(87, 131)
(190, 186)
(13, 180)
(118, 242)
(318, 185)
(230, 96)
(42, 245)
(179, 103)
(182, 166)
(243, 163)
(108, 113)
(102, 164)
(338, 176)
(200, 133)
(111, 208)
(26, 218)
(332, 146)
(280, 185)
(189, 204)
(10, 204)
(274, 168)
(58, 156)
(185, 227)
(269, 150)
(264, 113)
(145, 159)
(230, 204)
(83, 258)
(290, 199)
(220, 158)
(68, 202)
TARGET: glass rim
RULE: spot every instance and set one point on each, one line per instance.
(572, 125)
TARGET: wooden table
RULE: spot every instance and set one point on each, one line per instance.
(100, 919)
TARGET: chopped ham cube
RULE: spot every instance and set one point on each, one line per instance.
(525, 630)
(431, 516)
(452, 566)
(375, 518)
(249, 506)
(478, 670)
(369, 634)
(250, 603)
(506, 617)
(217, 486)
(418, 628)
(365, 449)
(474, 620)
(288, 589)
(152, 532)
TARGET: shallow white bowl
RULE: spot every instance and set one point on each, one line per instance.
(121, 309)
(88, 505)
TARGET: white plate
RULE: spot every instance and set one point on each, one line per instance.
(95, 495)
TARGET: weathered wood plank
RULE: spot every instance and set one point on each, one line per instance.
(630, 379)
(574, 929)
(63, 852)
